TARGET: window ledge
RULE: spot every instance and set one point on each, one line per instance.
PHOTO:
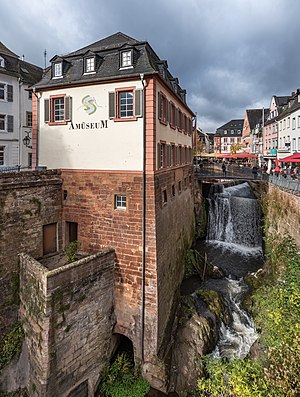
(88, 73)
(57, 123)
(126, 67)
(117, 119)
(57, 77)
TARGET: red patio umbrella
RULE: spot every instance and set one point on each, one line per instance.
(294, 158)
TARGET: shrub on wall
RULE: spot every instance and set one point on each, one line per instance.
(11, 344)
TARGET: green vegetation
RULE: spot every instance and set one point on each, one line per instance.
(236, 378)
(120, 380)
(11, 344)
(195, 263)
(71, 251)
(276, 312)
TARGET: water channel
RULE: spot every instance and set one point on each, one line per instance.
(234, 245)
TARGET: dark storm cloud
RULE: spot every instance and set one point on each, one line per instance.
(229, 54)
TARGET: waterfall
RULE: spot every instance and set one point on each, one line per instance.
(237, 338)
(234, 225)
(234, 217)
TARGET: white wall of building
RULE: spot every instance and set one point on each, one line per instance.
(117, 147)
(166, 133)
(16, 153)
(289, 135)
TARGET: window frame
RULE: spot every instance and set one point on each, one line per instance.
(2, 155)
(67, 109)
(57, 73)
(28, 119)
(88, 66)
(4, 92)
(119, 201)
(126, 63)
(3, 116)
(119, 92)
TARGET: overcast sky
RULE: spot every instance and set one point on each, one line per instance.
(230, 55)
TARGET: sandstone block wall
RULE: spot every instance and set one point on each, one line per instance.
(68, 321)
(91, 203)
(175, 228)
(28, 200)
(282, 208)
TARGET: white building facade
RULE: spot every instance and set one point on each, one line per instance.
(16, 76)
(289, 127)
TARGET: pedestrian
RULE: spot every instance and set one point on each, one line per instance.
(224, 169)
(255, 171)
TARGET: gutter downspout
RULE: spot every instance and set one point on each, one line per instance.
(37, 128)
(143, 220)
(20, 135)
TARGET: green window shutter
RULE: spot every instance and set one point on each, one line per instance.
(68, 108)
(10, 123)
(111, 105)
(138, 103)
(10, 91)
(47, 110)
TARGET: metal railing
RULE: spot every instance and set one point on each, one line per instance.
(14, 168)
(214, 171)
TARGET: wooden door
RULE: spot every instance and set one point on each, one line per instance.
(49, 239)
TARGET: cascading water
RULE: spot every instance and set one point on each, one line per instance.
(234, 243)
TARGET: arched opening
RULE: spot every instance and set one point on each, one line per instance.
(122, 344)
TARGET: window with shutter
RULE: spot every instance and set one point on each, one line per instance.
(68, 108)
(138, 103)
(10, 123)
(159, 107)
(2, 91)
(9, 93)
(111, 105)
(158, 156)
(46, 110)
(58, 109)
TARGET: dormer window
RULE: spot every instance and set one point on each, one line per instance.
(126, 59)
(58, 69)
(90, 65)
(1, 62)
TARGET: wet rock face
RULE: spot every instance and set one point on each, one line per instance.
(195, 339)
(196, 336)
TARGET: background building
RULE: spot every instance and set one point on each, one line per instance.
(16, 76)
(228, 135)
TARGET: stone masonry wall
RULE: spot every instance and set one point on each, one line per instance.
(282, 209)
(68, 321)
(175, 231)
(28, 200)
(90, 202)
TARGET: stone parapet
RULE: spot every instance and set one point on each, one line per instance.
(68, 321)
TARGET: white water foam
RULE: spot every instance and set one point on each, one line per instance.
(236, 339)
(237, 248)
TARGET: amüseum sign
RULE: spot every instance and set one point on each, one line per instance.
(88, 126)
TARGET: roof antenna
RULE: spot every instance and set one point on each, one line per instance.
(45, 56)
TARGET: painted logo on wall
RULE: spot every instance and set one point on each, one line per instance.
(89, 104)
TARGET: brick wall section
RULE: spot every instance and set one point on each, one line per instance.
(68, 322)
(28, 200)
(174, 235)
(150, 126)
(90, 203)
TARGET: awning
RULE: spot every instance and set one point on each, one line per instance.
(294, 158)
